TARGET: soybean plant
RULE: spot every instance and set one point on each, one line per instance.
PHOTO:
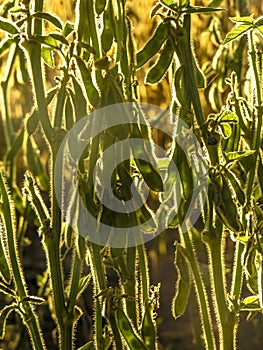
(96, 67)
(231, 140)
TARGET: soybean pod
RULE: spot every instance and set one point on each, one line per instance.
(183, 285)
(154, 44)
(128, 331)
(148, 167)
(157, 72)
(148, 326)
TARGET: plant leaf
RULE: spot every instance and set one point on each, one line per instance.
(228, 117)
(202, 9)
(47, 55)
(243, 20)
(238, 155)
(8, 26)
(5, 44)
(237, 31)
(50, 18)
(87, 346)
(4, 313)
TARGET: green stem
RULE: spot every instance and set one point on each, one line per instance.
(100, 284)
(227, 320)
(237, 278)
(74, 283)
(143, 265)
(29, 315)
(201, 293)
(257, 120)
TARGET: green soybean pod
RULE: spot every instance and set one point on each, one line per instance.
(157, 72)
(100, 6)
(183, 285)
(227, 210)
(128, 331)
(181, 91)
(236, 186)
(90, 88)
(147, 168)
(33, 119)
(107, 34)
(69, 113)
(148, 326)
(185, 171)
(154, 44)
(79, 100)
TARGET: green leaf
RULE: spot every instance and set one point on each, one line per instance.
(87, 346)
(4, 313)
(8, 26)
(50, 18)
(226, 130)
(5, 44)
(228, 117)
(250, 303)
(243, 20)
(202, 9)
(238, 155)
(242, 237)
(68, 29)
(237, 31)
(47, 55)
(59, 37)
(260, 29)
(47, 40)
(34, 300)
(83, 284)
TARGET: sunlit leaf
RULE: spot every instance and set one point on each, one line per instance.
(238, 155)
(8, 26)
(5, 44)
(237, 31)
(228, 117)
(50, 18)
(243, 20)
(47, 55)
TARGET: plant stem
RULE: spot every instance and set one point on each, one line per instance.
(27, 311)
(200, 291)
(226, 319)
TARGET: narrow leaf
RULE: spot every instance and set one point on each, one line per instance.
(238, 155)
(243, 20)
(202, 9)
(4, 313)
(8, 26)
(50, 18)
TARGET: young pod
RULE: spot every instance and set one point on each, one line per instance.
(154, 44)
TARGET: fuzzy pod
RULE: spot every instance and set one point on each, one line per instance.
(154, 44)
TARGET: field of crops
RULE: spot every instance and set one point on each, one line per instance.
(131, 174)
